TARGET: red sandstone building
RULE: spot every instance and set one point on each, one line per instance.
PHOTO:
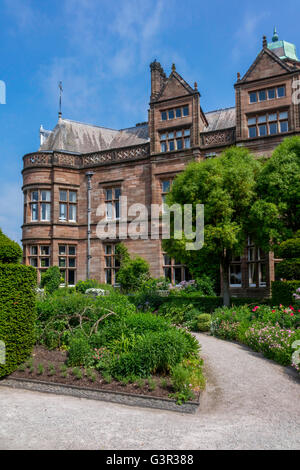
(141, 162)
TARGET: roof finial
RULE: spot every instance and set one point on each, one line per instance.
(265, 44)
(60, 95)
(196, 86)
(173, 68)
(275, 35)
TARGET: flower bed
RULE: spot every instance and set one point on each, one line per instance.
(103, 341)
(272, 331)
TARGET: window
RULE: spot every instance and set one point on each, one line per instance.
(175, 271)
(165, 188)
(175, 113)
(235, 275)
(175, 140)
(235, 272)
(39, 205)
(268, 124)
(111, 263)
(39, 256)
(112, 202)
(67, 263)
(67, 205)
(257, 267)
(268, 94)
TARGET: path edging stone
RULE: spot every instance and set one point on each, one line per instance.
(121, 398)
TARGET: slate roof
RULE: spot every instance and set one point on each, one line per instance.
(220, 119)
(76, 137)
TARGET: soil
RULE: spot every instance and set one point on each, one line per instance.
(58, 358)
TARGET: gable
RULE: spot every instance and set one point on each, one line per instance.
(266, 65)
(175, 86)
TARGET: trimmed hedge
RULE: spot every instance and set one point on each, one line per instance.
(288, 269)
(282, 292)
(10, 251)
(17, 314)
(203, 304)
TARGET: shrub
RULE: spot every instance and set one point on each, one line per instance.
(10, 251)
(289, 248)
(282, 292)
(288, 269)
(51, 279)
(154, 352)
(204, 321)
(79, 351)
(133, 273)
(273, 341)
(83, 286)
(17, 313)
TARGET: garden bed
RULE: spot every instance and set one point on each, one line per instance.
(44, 374)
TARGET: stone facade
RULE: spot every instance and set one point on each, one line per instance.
(140, 162)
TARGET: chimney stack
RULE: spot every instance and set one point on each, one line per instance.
(158, 78)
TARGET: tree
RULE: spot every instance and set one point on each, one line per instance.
(227, 188)
(133, 271)
(51, 279)
(277, 209)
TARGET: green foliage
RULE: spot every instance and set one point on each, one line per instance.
(154, 352)
(273, 341)
(289, 248)
(59, 316)
(226, 186)
(83, 286)
(203, 304)
(279, 185)
(203, 323)
(51, 279)
(17, 313)
(282, 292)
(133, 273)
(122, 254)
(288, 269)
(187, 378)
(270, 330)
(79, 353)
(10, 251)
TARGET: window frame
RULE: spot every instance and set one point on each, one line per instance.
(175, 112)
(268, 123)
(170, 138)
(266, 91)
(67, 203)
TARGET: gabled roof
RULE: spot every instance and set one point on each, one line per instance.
(265, 54)
(76, 137)
(220, 119)
(174, 76)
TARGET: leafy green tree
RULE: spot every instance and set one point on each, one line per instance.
(51, 279)
(133, 271)
(276, 213)
(227, 188)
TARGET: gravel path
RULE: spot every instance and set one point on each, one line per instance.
(250, 403)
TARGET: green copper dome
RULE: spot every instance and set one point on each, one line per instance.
(283, 49)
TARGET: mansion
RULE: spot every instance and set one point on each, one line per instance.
(79, 166)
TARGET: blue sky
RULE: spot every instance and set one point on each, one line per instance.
(101, 50)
